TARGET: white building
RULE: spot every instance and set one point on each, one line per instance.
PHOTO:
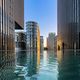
(50, 41)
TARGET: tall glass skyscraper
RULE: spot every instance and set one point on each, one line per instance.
(68, 24)
(33, 36)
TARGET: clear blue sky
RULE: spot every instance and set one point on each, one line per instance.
(44, 12)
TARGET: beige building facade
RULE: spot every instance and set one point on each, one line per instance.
(11, 16)
(19, 13)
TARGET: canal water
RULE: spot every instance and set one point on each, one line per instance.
(50, 65)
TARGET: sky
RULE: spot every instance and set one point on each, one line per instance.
(44, 12)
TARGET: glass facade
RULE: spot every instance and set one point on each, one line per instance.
(33, 36)
(68, 24)
(20, 40)
(41, 44)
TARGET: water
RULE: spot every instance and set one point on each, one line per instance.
(49, 65)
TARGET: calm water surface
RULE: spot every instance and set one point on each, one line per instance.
(49, 65)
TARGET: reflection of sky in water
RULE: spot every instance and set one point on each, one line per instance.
(63, 66)
(48, 67)
(45, 58)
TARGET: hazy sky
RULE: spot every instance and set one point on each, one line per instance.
(44, 12)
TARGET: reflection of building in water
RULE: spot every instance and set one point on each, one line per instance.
(41, 44)
(68, 66)
(33, 36)
(21, 65)
(27, 64)
(7, 65)
(20, 39)
(21, 58)
(33, 62)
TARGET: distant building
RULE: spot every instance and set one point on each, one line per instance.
(20, 40)
(47, 42)
(68, 24)
(33, 36)
(41, 43)
(55, 43)
(50, 41)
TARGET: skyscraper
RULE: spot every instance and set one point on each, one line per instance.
(10, 16)
(68, 24)
(33, 36)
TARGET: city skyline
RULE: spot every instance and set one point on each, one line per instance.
(44, 12)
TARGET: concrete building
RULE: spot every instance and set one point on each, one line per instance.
(6, 25)
(50, 41)
(20, 40)
(33, 36)
(41, 43)
(7, 37)
(68, 24)
(9, 16)
(19, 14)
